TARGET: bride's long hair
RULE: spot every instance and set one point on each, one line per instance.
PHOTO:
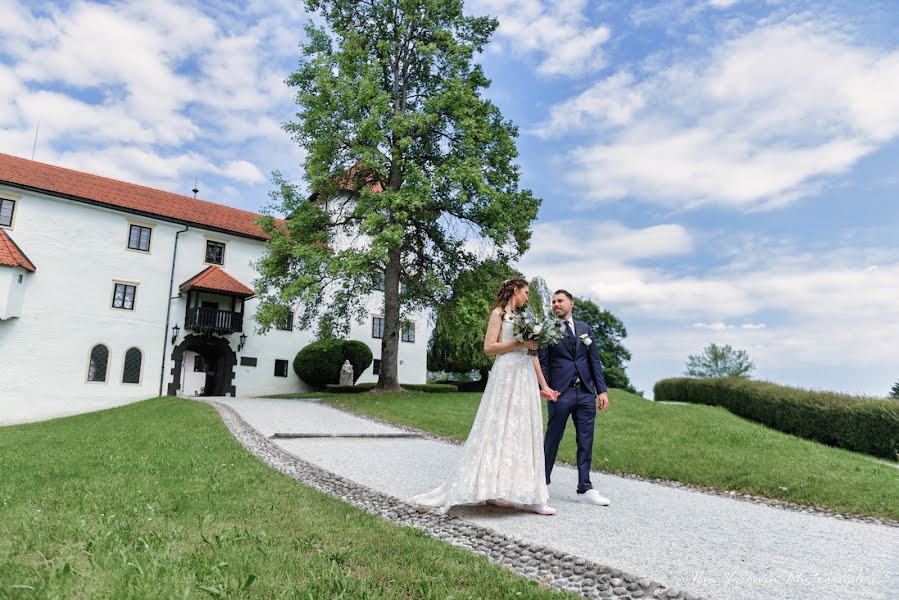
(507, 289)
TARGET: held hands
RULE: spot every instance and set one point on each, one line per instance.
(530, 344)
(602, 402)
(549, 394)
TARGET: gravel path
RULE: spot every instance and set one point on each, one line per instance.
(709, 545)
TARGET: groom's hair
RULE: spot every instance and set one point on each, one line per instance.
(566, 292)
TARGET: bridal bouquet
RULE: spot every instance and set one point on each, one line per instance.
(546, 330)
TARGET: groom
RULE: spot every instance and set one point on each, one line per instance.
(573, 368)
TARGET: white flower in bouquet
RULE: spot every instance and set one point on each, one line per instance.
(546, 331)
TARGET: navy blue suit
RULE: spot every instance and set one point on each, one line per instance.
(574, 369)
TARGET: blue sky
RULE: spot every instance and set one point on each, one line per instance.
(711, 170)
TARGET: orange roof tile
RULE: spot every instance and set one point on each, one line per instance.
(77, 185)
(215, 279)
(11, 255)
(350, 179)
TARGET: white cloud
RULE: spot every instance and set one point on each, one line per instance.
(759, 123)
(722, 326)
(141, 91)
(610, 102)
(717, 326)
(787, 308)
(63, 116)
(243, 170)
(607, 241)
(560, 33)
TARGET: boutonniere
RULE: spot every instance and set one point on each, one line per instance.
(586, 339)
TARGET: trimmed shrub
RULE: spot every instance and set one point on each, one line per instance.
(359, 355)
(859, 424)
(319, 363)
(433, 388)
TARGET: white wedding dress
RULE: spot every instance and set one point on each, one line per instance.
(502, 459)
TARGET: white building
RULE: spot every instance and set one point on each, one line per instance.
(112, 292)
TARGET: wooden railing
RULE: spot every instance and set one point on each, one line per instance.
(211, 320)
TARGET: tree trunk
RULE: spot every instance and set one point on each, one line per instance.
(388, 379)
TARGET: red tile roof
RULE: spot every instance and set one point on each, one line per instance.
(11, 255)
(215, 279)
(131, 197)
(352, 179)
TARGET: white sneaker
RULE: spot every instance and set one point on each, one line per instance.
(540, 509)
(593, 497)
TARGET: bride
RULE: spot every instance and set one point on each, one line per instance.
(502, 459)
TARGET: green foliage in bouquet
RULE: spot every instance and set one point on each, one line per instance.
(546, 330)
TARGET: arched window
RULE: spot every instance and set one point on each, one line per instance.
(131, 370)
(96, 370)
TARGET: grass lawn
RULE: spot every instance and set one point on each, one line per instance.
(702, 445)
(157, 500)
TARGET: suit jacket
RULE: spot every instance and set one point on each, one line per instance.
(567, 360)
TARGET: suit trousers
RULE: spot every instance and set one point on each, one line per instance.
(580, 404)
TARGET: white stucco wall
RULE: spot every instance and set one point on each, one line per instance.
(13, 283)
(412, 355)
(80, 250)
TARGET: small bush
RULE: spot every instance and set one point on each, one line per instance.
(433, 388)
(319, 363)
(859, 424)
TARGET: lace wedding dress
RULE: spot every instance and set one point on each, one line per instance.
(502, 459)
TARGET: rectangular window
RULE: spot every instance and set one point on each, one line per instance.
(247, 361)
(376, 367)
(377, 327)
(199, 364)
(408, 331)
(7, 208)
(379, 281)
(280, 368)
(287, 323)
(215, 252)
(124, 296)
(139, 238)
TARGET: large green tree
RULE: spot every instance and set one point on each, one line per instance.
(719, 361)
(457, 342)
(608, 332)
(390, 109)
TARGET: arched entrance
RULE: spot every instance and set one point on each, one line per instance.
(217, 360)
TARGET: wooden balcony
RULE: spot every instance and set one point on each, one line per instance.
(211, 320)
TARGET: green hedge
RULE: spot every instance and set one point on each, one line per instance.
(434, 388)
(860, 424)
(319, 363)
